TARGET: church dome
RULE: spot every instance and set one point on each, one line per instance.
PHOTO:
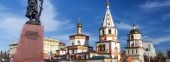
(79, 25)
(134, 31)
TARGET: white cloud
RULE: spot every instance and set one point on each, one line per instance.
(168, 30)
(144, 37)
(63, 38)
(159, 40)
(12, 23)
(49, 18)
(123, 26)
(155, 4)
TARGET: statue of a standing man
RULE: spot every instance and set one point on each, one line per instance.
(32, 11)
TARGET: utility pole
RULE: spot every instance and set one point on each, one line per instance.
(149, 52)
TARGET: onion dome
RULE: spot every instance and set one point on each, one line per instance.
(134, 30)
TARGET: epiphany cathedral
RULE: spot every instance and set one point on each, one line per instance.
(107, 47)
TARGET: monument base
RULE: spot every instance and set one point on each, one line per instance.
(30, 46)
(33, 22)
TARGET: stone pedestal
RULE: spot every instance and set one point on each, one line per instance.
(30, 47)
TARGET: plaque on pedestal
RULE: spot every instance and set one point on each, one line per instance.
(30, 46)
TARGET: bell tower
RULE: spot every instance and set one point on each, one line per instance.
(108, 44)
(108, 31)
(134, 47)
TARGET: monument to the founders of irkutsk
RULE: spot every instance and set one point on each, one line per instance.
(30, 47)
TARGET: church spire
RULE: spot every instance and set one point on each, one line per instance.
(108, 4)
(108, 21)
(134, 26)
(79, 20)
(108, 28)
(79, 27)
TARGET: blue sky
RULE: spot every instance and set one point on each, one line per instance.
(60, 17)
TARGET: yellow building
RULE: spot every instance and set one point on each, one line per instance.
(50, 47)
(12, 49)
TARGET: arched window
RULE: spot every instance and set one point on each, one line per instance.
(132, 45)
(132, 37)
(110, 31)
(109, 23)
(128, 51)
(116, 50)
(98, 47)
(72, 43)
(73, 51)
(103, 47)
(78, 42)
(103, 32)
(84, 56)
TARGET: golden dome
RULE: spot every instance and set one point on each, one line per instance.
(134, 31)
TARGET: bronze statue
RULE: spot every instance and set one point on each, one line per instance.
(34, 11)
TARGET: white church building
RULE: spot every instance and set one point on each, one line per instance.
(107, 48)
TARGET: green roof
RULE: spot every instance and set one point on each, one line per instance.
(98, 57)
